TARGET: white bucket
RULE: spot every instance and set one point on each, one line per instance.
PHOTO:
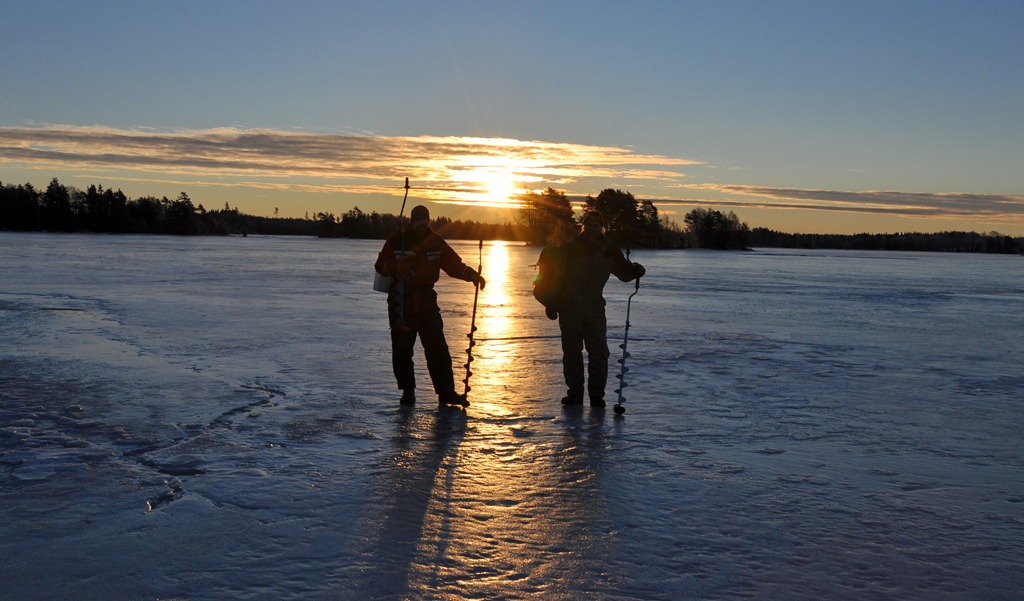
(382, 283)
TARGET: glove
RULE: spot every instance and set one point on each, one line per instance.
(638, 270)
(480, 281)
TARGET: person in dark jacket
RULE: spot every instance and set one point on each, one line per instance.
(413, 258)
(589, 259)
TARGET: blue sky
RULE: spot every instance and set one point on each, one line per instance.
(798, 116)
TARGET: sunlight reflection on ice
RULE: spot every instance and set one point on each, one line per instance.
(787, 409)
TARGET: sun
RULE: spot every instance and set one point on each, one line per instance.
(495, 181)
(499, 188)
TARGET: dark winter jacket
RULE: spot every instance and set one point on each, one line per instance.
(589, 261)
(427, 254)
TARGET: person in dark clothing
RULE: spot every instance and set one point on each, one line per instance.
(413, 258)
(589, 259)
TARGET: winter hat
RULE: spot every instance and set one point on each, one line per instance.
(593, 215)
(419, 212)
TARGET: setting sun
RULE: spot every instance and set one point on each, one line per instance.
(500, 188)
(494, 180)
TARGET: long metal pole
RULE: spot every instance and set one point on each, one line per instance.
(472, 324)
(619, 409)
(400, 279)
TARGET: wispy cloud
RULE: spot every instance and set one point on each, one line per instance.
(446, 169)
(992, 207)
(456, 170)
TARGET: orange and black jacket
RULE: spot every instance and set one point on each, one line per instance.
(429, 255)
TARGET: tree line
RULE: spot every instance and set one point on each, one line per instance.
(357, 223)
(970, 242)
(545, 218)
(548, 218)
(61, 208)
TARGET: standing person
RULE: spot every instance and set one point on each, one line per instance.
(413, 258)
(589, 259)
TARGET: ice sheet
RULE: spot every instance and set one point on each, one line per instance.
(210, 418)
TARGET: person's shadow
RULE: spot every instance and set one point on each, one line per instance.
(581, 502)
(426, 446)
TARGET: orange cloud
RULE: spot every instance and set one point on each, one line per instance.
(486, 172)
(1004, 207)
(446, 169)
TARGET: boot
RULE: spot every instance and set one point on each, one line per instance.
(408, 397)
(453, 398)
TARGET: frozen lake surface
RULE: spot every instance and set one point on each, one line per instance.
(215, 418)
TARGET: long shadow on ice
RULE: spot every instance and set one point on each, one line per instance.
(417, 479)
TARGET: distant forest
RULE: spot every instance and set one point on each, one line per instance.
(547, 218)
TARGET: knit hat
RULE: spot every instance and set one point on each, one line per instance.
(419, 212)
(593, 215)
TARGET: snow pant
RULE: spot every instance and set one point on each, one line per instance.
(425, 322)
(584, 327)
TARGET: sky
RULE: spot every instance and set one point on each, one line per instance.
(803, 117)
